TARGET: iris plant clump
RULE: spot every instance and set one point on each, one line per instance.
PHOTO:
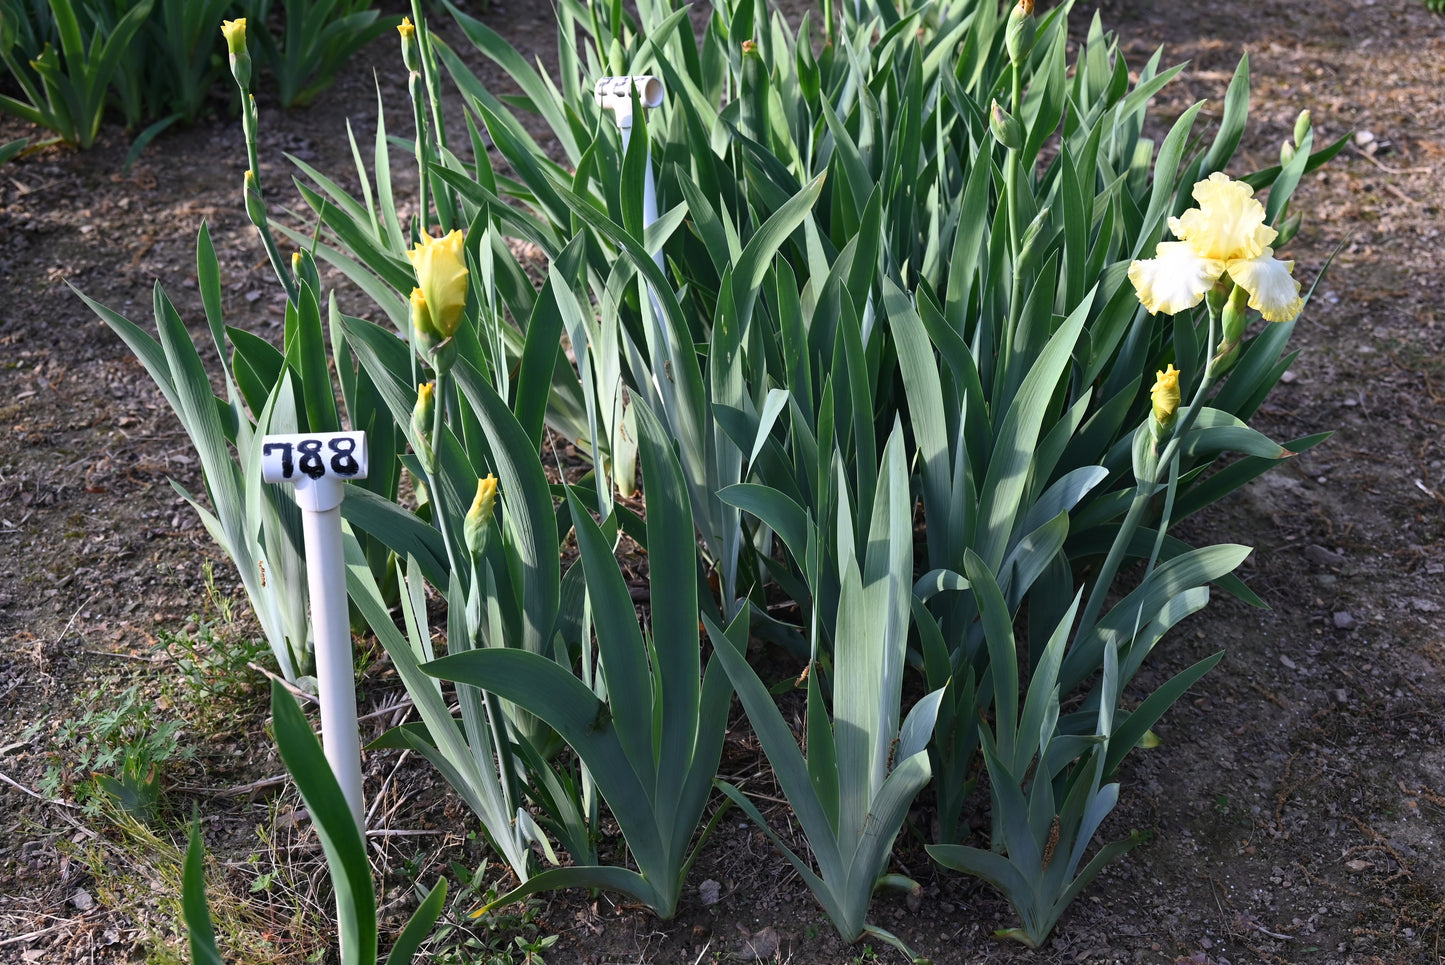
(893, 275)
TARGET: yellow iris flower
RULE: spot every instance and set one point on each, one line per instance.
(441, 275)
(1225, 235)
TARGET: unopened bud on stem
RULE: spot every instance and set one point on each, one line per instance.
(235, 33)
(1301, 127)
(1165, 395)
(1232, 323)
(409, 55)
(423, 415)
(476, 527)
(1006, 128)
(255, 204)
(1020, 33)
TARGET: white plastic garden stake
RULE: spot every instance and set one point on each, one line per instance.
(615, 95)
(318, 465)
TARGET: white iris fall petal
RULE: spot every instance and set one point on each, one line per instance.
(1273, 291)
(1176, 277)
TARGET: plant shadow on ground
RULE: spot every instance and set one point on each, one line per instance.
(1293, 807)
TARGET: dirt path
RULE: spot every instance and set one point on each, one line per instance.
(1297, 804)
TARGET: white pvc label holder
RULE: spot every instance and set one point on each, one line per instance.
(318, 464)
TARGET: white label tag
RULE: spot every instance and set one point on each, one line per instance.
(313, 455)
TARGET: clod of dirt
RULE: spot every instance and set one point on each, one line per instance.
(762, 945)
(710, 892)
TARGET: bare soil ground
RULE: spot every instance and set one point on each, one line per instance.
(1296, 808)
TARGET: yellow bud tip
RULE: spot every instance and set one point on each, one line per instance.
(406, 28)
(1026, 7)
(486, 490)
(250, 179)
(295, 261)
(749, 47)
(235, 33)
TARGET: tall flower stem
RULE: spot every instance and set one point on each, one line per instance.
(429, 78)
(256, 203)
(432, 467)
(1013, 186)
(235, 33)
(1146, 488)
(423, 151)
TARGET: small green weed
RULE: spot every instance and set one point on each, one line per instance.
(116, 750)
(211, 661)
(510, 935)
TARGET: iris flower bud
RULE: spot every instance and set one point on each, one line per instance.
(422, 416)
(409, 57)
(475, 528)
(255, 204)
(1021, 31)
(1006, 128)
(1165, 395)
(235, 33)
(424, 411)
(1301, 126)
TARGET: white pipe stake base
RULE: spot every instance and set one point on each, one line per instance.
(319, 464)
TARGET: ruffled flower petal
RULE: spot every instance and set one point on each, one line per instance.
(1175, 279)
(1273, 291)
(1229, 222)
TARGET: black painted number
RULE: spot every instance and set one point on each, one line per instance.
(311, 462)
(343, 463)
(286, 464)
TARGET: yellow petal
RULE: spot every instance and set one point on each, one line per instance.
(1229, 222)
(1273, 291)
(1175, 279)
(235, 33)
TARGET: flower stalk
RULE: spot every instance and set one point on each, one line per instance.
(424, 84)
(1018, 42)
(1164, 470)
(416, 87)
(235, 33)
